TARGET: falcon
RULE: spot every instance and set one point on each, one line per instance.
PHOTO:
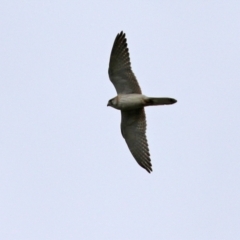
(131, 102)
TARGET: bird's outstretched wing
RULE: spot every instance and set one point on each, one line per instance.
(133, 127)
(120, 72)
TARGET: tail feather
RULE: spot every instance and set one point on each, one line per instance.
(160, 101)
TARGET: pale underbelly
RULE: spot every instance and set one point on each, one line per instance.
(130, 101)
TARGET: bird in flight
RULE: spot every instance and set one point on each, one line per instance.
(131, 102)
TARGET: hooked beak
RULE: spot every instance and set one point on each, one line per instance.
(108, 104)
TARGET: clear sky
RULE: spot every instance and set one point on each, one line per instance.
(65, 170)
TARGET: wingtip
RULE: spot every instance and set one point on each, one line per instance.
(121, 34)
(147, 167)
(149, 170)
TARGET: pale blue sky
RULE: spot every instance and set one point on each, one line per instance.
(65, 170)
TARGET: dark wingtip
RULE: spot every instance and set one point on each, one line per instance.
(147, 167)
(149, 170)
(121, 34)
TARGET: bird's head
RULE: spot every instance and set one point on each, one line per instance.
(112, 102)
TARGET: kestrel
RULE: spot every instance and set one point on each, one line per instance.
(131, 102)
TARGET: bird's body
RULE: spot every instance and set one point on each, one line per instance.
(134, 101)
(128, 101)
(131, 102)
